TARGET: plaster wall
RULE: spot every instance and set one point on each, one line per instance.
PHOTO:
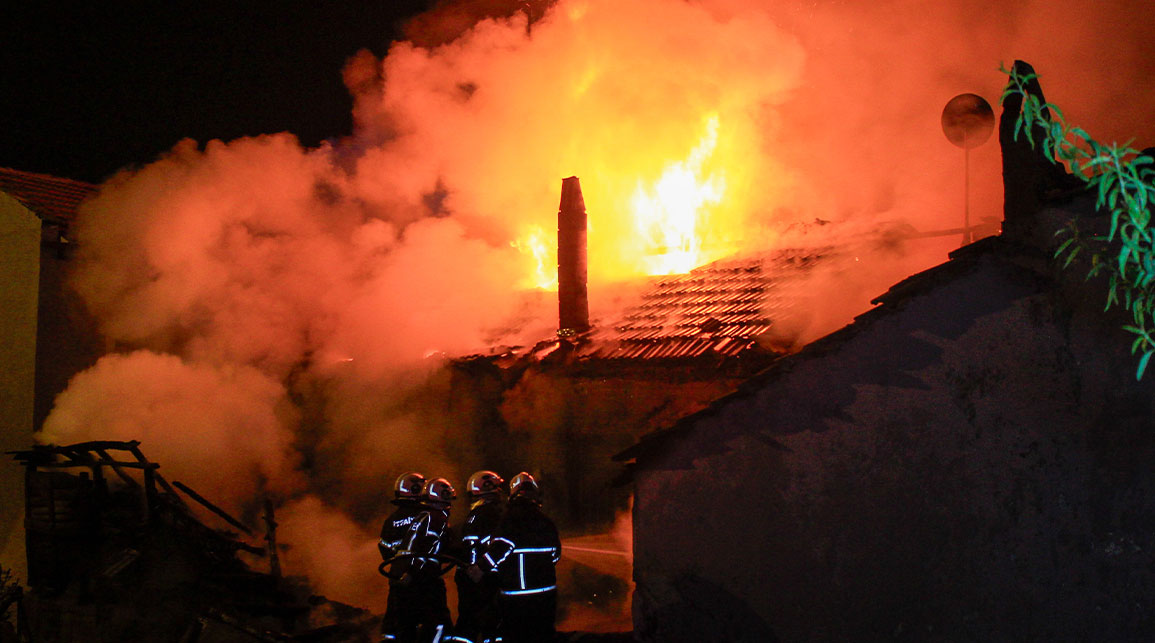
(19, 288)
(974, 466)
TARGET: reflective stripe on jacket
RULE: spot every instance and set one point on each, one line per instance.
(478, 530)
(396, 529)
(524, 550)
(428, 534)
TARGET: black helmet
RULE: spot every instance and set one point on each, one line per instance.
(408, 486)
(523, 485)
(438, 491)
(484, 483)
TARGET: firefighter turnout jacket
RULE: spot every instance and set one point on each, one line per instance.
(523, 551)
(395, 530)
(429, 535)
(478, 530)
(477, 616)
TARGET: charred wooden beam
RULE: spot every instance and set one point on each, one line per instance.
(211, 507)
(271, 539)
(147, 466)
(93, 445)
(107, 459)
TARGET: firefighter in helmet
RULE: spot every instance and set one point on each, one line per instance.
(522, 554)
(477, 600)
(398, 623)
(428, 539)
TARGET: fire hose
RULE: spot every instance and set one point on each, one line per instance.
(445, 563)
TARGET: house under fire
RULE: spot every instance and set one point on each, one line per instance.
(819, 457)
(562, 406)
(970, 460)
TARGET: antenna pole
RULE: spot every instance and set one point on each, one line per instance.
(966, 236)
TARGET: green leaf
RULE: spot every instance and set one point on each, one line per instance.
(1114, 225)
(1137, 344)
(1143, 364)
(1112, 298)
(1071, 257)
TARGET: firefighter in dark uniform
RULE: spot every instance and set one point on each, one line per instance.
(523, 552)
(477, 600)
(420, 567)
(399, 624)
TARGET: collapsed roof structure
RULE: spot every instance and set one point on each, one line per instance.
(116, 552)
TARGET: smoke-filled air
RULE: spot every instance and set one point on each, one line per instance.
(280, 314)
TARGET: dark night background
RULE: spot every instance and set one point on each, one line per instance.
(86, 89)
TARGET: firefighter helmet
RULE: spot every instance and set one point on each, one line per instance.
(484, 483)
(525, 486)
(408, 486)
(438, 491)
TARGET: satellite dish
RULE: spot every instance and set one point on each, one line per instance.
(968, 120)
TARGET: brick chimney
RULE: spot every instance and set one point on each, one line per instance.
(572, 297)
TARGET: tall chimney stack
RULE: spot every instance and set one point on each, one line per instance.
(572, 299)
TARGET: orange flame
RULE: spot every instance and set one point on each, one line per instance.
(669, 215)
(543, 254)
(669, 219)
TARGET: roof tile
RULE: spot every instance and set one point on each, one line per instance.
(52, 198)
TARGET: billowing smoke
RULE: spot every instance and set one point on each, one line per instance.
(332, 550)
(187, 416)
(280, 313)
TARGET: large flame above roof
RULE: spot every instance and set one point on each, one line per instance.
(662, 109)
(667, 218)
(670, 214)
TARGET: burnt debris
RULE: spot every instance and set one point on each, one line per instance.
(116, 553)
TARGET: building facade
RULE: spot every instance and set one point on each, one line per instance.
(44, 336)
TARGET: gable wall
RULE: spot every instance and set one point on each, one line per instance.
(973, 467)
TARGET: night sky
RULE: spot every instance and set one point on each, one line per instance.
(89, 88)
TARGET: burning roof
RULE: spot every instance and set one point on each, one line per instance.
(720, 311)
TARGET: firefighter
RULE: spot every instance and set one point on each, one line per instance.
(399, 623)
(429, 537)
(477, 600)
(522, 553)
